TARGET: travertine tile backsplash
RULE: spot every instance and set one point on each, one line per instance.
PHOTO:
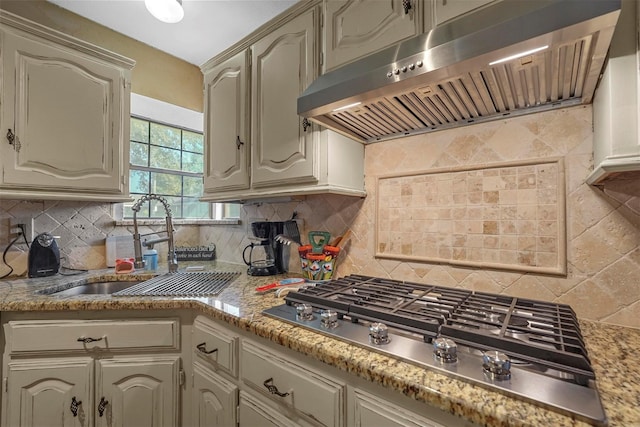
(602, 281)
(507, 216)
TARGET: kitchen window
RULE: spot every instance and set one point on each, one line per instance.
(167, 159)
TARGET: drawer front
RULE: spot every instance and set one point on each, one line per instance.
(308, 392)
(42, 336)
(215, 345)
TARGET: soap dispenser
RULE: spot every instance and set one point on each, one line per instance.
(150, 260)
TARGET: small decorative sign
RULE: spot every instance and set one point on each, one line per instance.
(196, 253)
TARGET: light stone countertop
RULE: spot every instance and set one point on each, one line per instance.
(614, 351)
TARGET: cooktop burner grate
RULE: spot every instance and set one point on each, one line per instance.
(532, 331)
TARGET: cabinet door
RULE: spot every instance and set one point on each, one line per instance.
(299, 389)
(137, 392)
(252, 412)
(448, 9)
(43, 392)
(69, 116)
(358, 27)
(214, 399)
(284, 63)
(226, 126)
(370, 410)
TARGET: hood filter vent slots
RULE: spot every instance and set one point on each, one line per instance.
(452, 84)
(541, 81)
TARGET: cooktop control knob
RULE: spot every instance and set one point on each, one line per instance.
(445, 350)
(329, 319)
(304, 312)
(379, 333)
(496, 365)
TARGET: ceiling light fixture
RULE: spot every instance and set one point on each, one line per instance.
(169, 11)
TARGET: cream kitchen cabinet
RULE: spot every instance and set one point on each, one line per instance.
(52, 392)
(215, 355)
(255, 412)
(214, 399)
(371, 410)
(449, 9)
(355, 28)
(226, 127)
(616, 104)
(288, 156)
(91, 372)
(65, 116)
(60, 392)
(304, 394)
(285, 148)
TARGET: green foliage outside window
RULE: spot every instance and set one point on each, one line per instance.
(167, 161)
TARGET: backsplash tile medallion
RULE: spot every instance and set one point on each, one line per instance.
(509, 216)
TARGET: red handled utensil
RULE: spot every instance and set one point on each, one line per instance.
(281, 284)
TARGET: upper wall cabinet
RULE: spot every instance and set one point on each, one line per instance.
(616, 104)
(354, 28)
(65, 116)
(226, 126)
(287, 156)
(284, 63)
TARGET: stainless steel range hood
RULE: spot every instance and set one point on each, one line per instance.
(482, 66)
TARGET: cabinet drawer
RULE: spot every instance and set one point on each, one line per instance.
(285, 381)
(215, 345)
(44, 336)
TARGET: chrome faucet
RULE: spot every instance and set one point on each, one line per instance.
(172, 259)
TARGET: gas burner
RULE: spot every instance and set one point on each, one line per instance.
(520, 346)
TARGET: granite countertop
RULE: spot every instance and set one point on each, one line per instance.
(613, 350)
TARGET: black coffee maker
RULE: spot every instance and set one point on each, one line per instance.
(44, 256)
(266, 256)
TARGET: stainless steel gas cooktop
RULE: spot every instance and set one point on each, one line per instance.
(527, 348)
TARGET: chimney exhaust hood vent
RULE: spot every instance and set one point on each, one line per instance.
(511, 58)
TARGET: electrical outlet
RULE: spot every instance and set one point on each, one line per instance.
(27, 225)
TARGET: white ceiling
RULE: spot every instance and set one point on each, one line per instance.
(208, 27)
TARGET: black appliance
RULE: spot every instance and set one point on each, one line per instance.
(267, 256)
(44, 256)
(521, 347)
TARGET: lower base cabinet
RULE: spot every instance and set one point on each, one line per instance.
(43, 392)
(191, 372)
(86, 372)
(214, 398)
(370, 410)
(253, 412)
(140, 391)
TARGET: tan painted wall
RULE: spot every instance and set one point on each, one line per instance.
(156, 74)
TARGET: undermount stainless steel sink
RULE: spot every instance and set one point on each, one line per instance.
(103, 288)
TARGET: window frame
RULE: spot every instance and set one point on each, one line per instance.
(181, 173)
(164, 112)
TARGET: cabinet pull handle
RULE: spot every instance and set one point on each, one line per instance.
(238, 142)
(75, 404)
(273, 389)
(406, 5)
(88, 340)
(13, 140)
(305, 124)
(102, 405)
(202, 348)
